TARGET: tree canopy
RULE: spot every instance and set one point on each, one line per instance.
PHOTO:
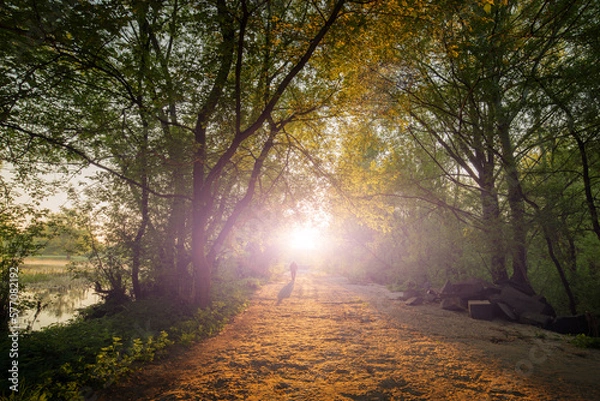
(447, 139)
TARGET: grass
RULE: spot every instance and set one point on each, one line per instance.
(45, 270)
(45, 277)
(61, 361)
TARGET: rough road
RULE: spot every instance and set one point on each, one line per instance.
(331, 340)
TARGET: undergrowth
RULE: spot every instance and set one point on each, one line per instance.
(583, 341)
(73, 361)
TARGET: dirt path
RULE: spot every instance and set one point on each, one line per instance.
(331, 340)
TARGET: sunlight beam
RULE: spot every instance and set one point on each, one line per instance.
(304, 238)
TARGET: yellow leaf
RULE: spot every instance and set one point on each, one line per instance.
(487, 8)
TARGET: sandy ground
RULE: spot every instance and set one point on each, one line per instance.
(332, 340)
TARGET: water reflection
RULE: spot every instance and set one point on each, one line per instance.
(59, 304)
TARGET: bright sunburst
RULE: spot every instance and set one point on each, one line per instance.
(304, 238)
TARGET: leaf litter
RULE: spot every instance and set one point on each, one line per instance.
(329, 339)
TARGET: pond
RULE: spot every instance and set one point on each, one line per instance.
(48, 282)
(58, 305)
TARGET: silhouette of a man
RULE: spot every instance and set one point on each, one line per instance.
(293, 270)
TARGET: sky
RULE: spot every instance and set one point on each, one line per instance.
(57, 200)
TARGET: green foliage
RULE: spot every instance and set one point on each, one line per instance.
(152, 95)
(62, 361)
(19, 227)
(104, 260)
(230, 299)
(30, 393)
(116, 360)
(475, 148)
(108, 270)
(438, 129)
(63, 236)
(34, 278)
(583, 341)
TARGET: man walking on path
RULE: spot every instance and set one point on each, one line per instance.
(338, 340)
(293, 270)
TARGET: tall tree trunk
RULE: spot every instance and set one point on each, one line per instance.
(142, 157)
(587, 185)
(137, 247)
(202, 268)
(205, 183)
(559, 268)
(484, 158)
(493, 230)
(199, 292)
(137, 244)
(545, 219)
(175, 272)
(518, 243)
(175, 258)
(137, 250)
(202, 192)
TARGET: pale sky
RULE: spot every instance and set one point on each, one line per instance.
(56, 201)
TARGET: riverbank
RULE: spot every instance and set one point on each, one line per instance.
(68, 361)
(52, 294)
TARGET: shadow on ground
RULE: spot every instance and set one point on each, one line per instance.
(285, 292)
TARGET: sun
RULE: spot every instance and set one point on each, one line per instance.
(304, 238)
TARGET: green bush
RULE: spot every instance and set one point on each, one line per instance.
(62, 361)
(583, 341)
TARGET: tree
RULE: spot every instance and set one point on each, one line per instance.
(477, 129)
(19, 228)
(471, 87)
(183, 103)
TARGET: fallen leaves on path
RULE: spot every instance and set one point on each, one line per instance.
(329, 340)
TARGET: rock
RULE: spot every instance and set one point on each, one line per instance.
(431, 297)
(524, 288)
(521, 302)
(469, 289)
(408, 294)
(535, 319)
(505, 310)
(570, 325)
(447, 288)
(481, 309)
(453, 304)
(414, 301)
(515, 301)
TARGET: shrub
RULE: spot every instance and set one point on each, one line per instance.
(64, 361)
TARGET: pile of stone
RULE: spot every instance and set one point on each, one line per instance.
(508, 300)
